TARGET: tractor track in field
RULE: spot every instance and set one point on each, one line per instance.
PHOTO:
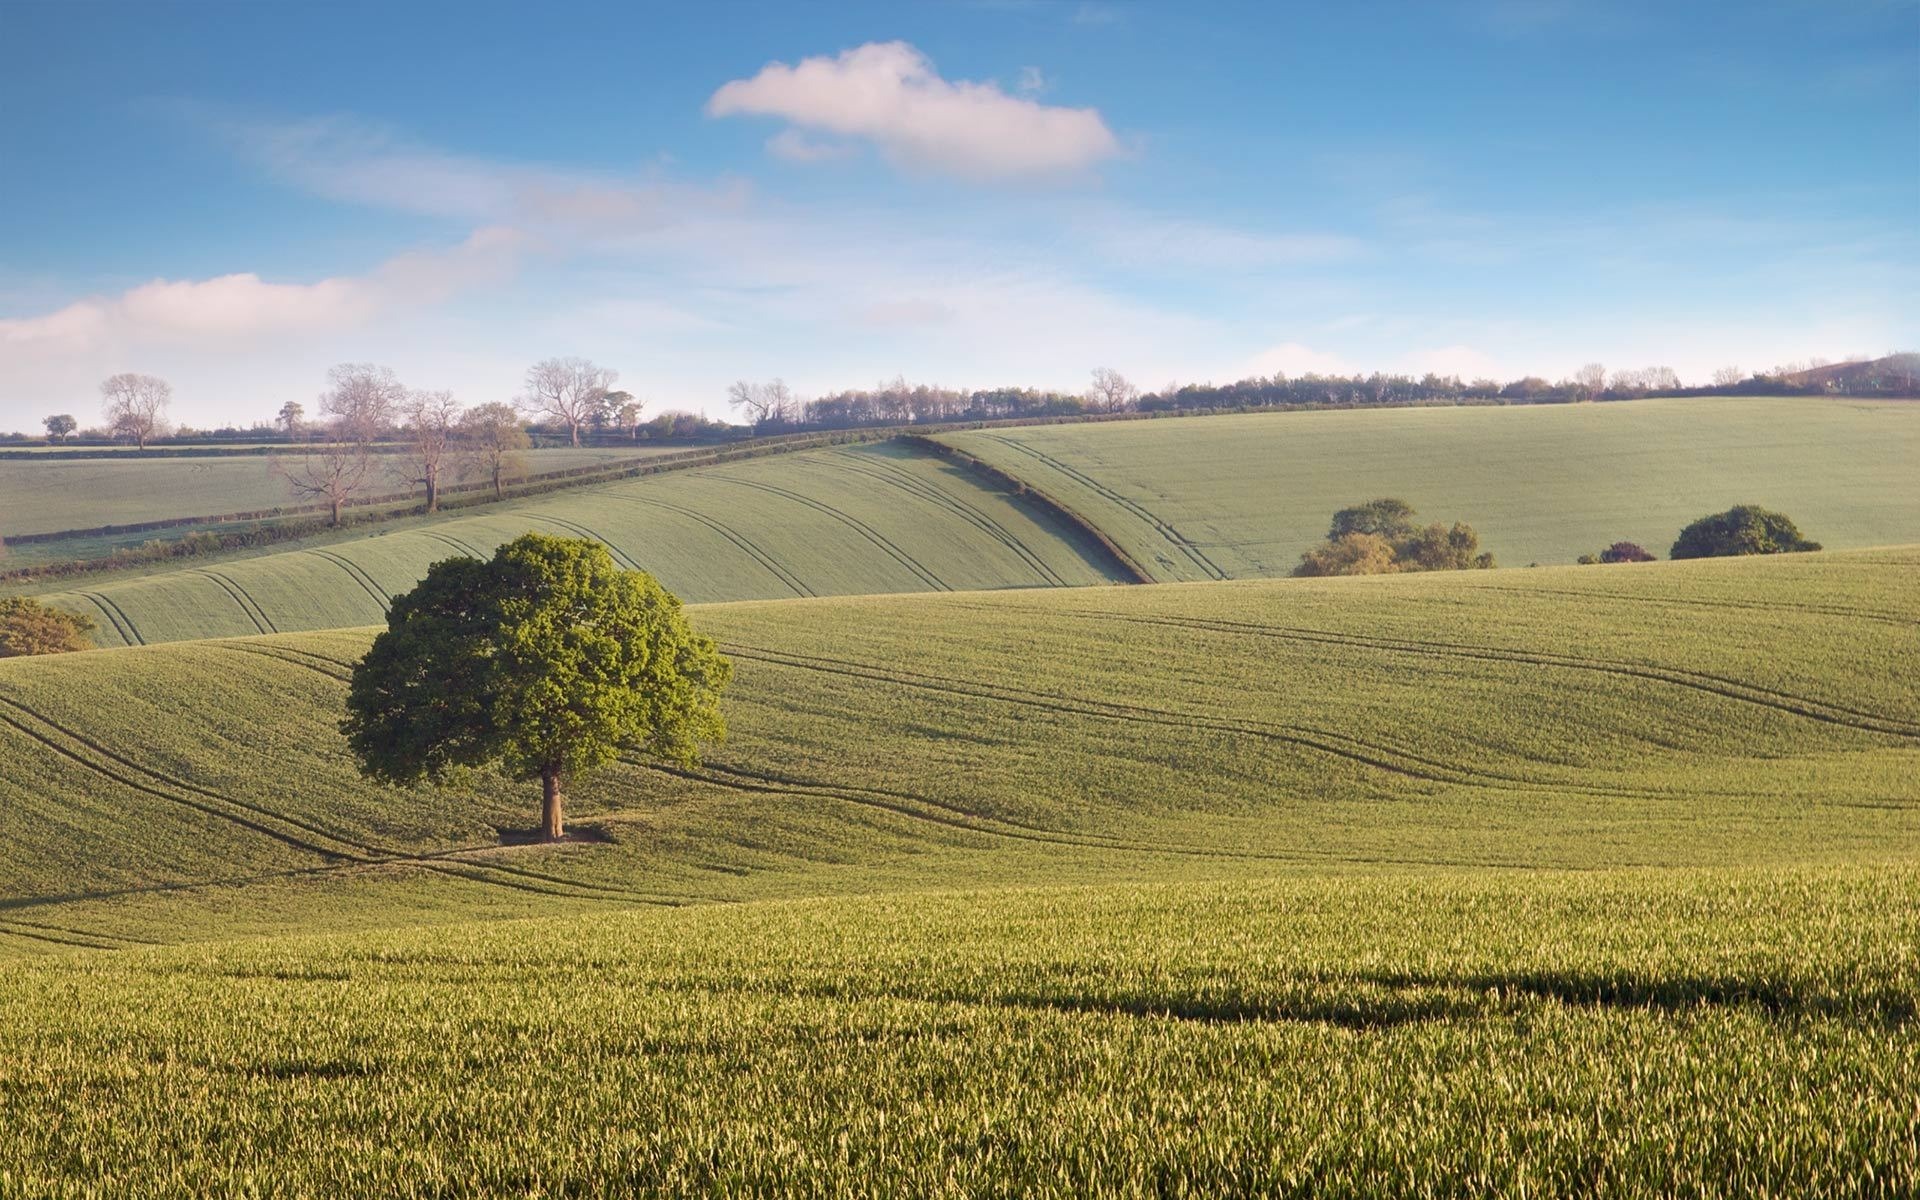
(358, 574)
(456, 543)
(346, 850)
(117, 617)
(746, 546)
(914, 807)
(1174, 537)
(248, 605)
(282, 654)
(1391, 759)
(1829, 610)
(81, 941)
(893, 475)
(579, 530)
(1702, 681)
(854, 523)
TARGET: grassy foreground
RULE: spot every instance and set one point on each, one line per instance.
(1579, 880)
(1241, 496)
(1630, 1034)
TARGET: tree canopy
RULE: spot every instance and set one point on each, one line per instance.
(30, 627)
(548, 660)
(1742, 529)
(1381, 537)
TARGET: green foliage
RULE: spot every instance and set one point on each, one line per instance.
(1380, 538)
(1386, 518)
(548, 660)
(1743, 529)
(1620, 552)
(29, 627)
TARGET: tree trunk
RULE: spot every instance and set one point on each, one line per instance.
(336, 513)
(552, 815)
(497, 493)
(576, 434)
(433, 492)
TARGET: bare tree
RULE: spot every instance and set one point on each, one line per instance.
(361, 400)
(335, 470)
(431, 420)
(1728, 377)
(492, 441)
(569, 390)
(292, 415)
(1111, 391)
(136, 405)
(767, 403)
(1592, 379)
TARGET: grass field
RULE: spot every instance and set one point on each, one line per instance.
(1241, 496)
(1570, 880)
(46, 497)
(827, 522)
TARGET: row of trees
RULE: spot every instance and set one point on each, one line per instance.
(1381, 537)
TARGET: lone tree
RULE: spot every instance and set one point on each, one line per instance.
(361, 400)
(1111, 391)
(1743, 529)
(492, 441)
(135, 405)
(292, 415)
(548, 660)
(571, 391)
(30, 627)
(60, 426)
(431, 421)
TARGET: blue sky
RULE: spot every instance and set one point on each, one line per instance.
(237, 196)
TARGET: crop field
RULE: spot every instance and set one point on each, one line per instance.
(46, 497)
(1235, 497)
(827, 522)
(1566, 880)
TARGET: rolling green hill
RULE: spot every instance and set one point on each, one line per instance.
(851, 520)
(1241, 496)
(1729, 713)
(1533, 882)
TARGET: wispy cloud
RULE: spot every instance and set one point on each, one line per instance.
(889, 94)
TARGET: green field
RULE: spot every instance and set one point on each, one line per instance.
(825, 522)
(1475, 882)
(46, 497)
(1241, 496)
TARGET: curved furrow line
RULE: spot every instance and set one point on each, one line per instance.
(1392, 759)
(574, 527)
(227, 586)
(1178, 540)
(245, 597)
(12, 930)
(44, 927)
(1831, 610)
(122, 623)
(447, 539)
(740, 540)
(106, 614)
(854, 523)
(888, 473)
(278, 835)
(272, 653)
(888, 801)
(1719, 685)
(359, 576)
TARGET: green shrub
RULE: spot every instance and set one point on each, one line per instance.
(1743, 529)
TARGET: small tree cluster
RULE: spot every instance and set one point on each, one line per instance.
(1381, 537)
(1619, 552)
(30, 627)
(1743, 529)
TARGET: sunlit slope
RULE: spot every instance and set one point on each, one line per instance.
(853, 520)
(1242, 496)
(1732, 712)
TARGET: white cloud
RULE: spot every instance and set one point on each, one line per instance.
(889, 93)
(1292, 358)
(795, 146)
(243, 305)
